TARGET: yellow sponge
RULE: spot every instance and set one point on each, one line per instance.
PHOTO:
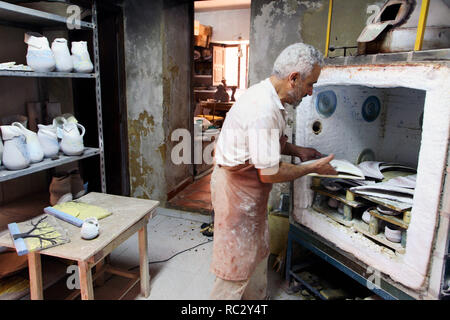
(82, 210)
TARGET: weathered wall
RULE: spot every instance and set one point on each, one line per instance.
(277, 24)
(176, 38)
(158, 83)
(228, 25)
(143, 65)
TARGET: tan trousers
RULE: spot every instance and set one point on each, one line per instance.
(254, 288)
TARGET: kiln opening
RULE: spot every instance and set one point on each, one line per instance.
(386, 122)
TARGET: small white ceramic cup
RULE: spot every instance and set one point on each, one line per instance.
(90, 228)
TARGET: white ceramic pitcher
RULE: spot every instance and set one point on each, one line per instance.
(33, 146)
(39, 55)
(80, 57)
(71, 138)
(15, 154)
(48, 139)
(62, 55)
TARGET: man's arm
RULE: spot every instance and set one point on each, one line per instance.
(304, 154)
(289, 172)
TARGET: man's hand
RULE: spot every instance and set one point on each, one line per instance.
(306, 154)
(322, 166)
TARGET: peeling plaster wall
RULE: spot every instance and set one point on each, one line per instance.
(176, 85)
(277, 24)
(143, 65)
(158, 92)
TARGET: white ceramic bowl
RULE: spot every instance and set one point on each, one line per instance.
(366, 216)
(333, 203)
(331, 185)
(387, 211)
(393, 234)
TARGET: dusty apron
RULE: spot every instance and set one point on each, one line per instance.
(241, 231)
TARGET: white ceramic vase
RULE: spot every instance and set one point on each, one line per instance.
(48, 140)
(71, 138)
(62, 55)
(80, 57)
(33, 145)
(39, 55)
(392, 234)
(15, 154)
(90, 228)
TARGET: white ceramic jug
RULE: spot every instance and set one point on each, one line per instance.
(62, 55)
(33, 146)
(49, 140)
(15, 154)
(39, 55)
(71, 138)
(80, 57)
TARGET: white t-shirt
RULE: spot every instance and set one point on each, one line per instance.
(252, 129)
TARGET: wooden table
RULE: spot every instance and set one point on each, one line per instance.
(217, 106)
(129, 215)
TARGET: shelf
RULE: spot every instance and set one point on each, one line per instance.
(340, 197)
(45, 164)
(333, 214)
(391, 204)
(18, 15)
(203, 75)
(391, 219)
(359, 226)
(32, 74)
(363, 228)
(55, 271)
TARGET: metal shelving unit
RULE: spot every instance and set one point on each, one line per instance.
(20, 16)
(34, 74)
(45, 164)
(11, 14)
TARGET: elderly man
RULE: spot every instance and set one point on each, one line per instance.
(247, 159)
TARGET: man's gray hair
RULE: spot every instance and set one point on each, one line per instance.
(298, 57)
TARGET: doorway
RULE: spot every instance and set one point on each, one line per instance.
(219, 76)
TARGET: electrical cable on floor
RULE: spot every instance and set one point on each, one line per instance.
(151, 262)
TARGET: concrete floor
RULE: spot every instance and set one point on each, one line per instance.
(185, 276)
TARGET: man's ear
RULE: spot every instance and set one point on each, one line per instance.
(293, 78)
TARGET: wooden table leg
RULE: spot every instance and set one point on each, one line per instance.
(35, 272)
(86, 287)
(100, 281)
(143, 260)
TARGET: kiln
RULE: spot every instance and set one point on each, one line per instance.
(385, 111)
